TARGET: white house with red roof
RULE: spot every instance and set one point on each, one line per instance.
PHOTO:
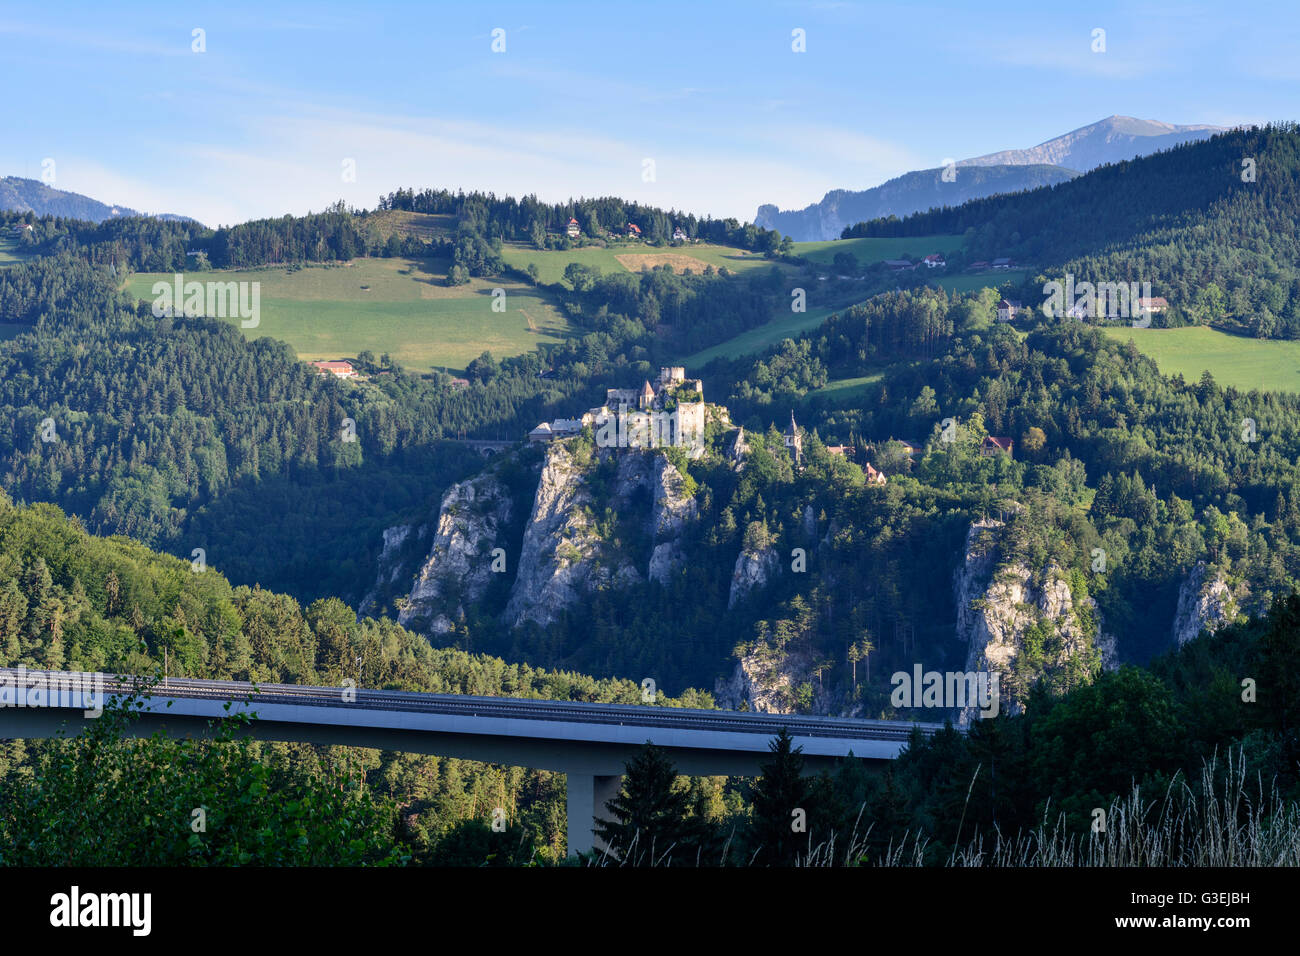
(337, 369)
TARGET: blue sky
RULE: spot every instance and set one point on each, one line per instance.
(261, 123)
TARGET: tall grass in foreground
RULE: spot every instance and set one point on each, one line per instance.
(1229, 819)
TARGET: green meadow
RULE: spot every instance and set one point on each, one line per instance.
(10, 252)
(963, 282)
(869, 250)
(1243, 363)
(843, 389)
(551, 263)
(786, 326)
(398, 306)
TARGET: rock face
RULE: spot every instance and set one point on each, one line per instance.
(458, 568)
(564, 554)
(390, 567)
(767, 683)
(1205, 603)
(754, 568)
(997, 603)
(673, 510)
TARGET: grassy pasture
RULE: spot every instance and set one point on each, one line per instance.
(11, 252)
(1235, 360)
(965, 282)
(788, 325)
(868, 250)
(629, 257)
(398, 306)
(843, 389)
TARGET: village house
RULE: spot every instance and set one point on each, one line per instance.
(899, 265)
(1008, 309)
(633, 231)
(459, 383)
(844, 451)
(994, 445)
(1003, 263)
(1152, 304)
(977, 266)
(935, 261)
(337, 369)
(679, 235)
(874, 477)
(573, 230)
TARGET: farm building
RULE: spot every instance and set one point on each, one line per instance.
(337, 369)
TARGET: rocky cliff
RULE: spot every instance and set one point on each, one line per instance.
(1205, 603)
(754, 568)
(459, 566)
(564, 552)
(390, 565)
(1017, 622)
(768, 683)
(569, 547)
(672, 512)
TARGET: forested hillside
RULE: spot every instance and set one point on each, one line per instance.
(178, 432)
(1210, 225)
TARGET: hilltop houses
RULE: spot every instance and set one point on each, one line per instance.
(668, 412)
(573, 230)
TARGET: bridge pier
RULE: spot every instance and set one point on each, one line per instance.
(588, 794)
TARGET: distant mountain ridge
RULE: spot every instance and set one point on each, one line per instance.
(912, 192)
(30, 195)
(1112, 139)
